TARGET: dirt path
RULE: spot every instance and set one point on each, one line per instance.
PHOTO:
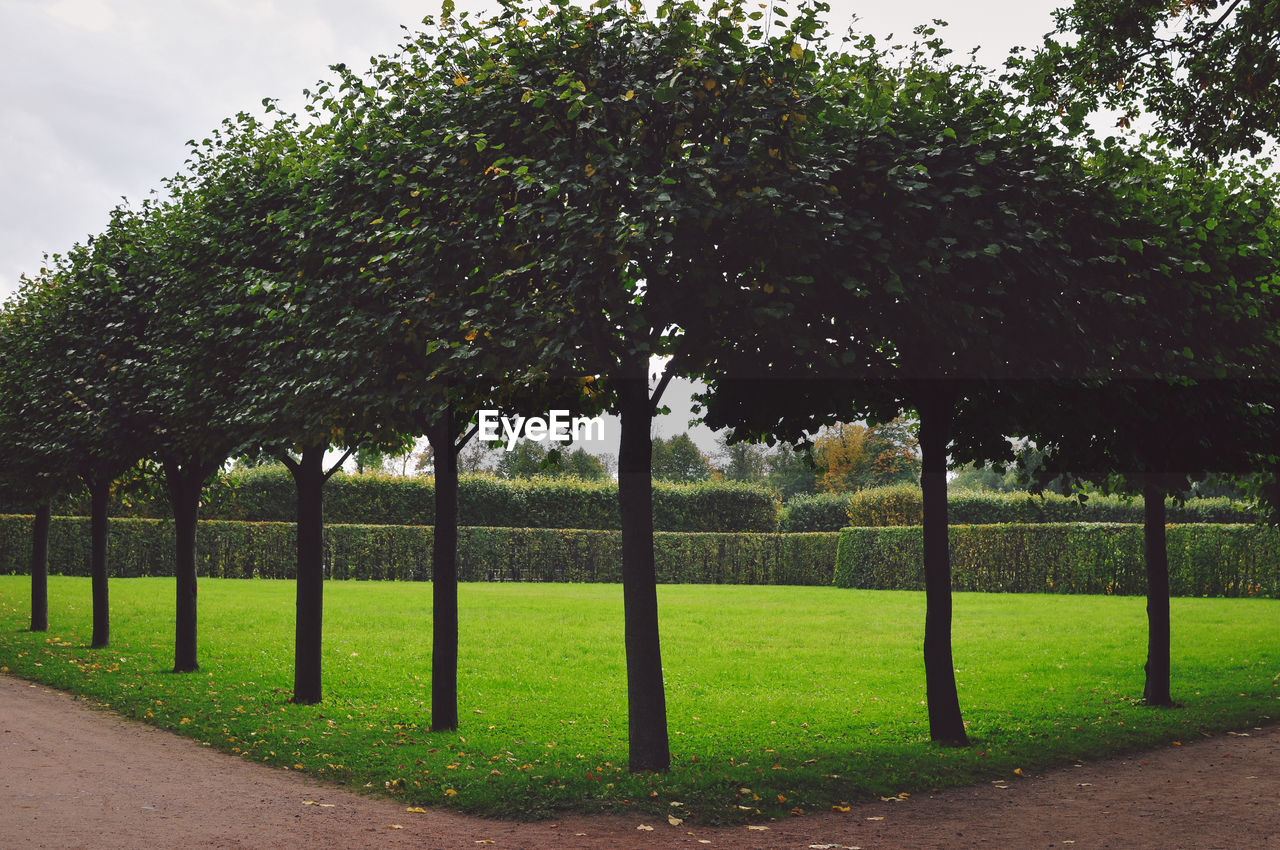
(72, 776)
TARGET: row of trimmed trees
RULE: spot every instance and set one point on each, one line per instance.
(520, 212)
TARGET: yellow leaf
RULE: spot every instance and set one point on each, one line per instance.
(590, 169)
(630, 95)
(841, 808)
(1017, 771)
(645, 828)
(417, 810)
(394, 826)
(459, 80)
(797, 52)
(674, 821)
(758, 828)
(449, 792)
(709, 84)
(877, 817)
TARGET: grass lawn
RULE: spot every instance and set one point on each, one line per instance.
(779, 698)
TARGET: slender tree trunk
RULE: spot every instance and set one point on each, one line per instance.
(185, 481)
(946, 725)
(99, 493)
(444, 578)
(646, 699)
(1156, 691)
(309, 477)
(40, 568)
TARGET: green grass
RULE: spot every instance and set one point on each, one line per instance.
(778, 697)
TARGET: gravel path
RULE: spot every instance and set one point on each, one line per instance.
(73, 776)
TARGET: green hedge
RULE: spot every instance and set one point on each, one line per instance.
(815, 512)
(142, 547)
(267, 494)
(900, 505)
(1204, 559)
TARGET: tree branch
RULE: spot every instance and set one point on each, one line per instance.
(339, 464)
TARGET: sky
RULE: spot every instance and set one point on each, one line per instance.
(99, 97)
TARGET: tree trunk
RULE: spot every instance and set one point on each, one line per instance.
(1156, 691)
(309, 478)
(99, 493)
(444, 578)
(646, 699)
(185, 481)
(40, 568)
(946, 725)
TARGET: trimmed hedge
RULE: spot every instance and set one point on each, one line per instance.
(1105, 558)
(267, 494)
(901, 505)
(143, 547)
(815, 512)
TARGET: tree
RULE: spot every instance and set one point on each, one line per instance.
(629, 147)
(1191, 385)
(791, 471)
(28, 479)
(1207, 71)
(678, 458)
(82, 411)
(965, 247)
(526, 459)
(742, 461)
(307, 325)
(855, 456)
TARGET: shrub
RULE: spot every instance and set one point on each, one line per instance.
(142, 547)
(900, 505)
(815, 512)
(267, 494)
(1204, 559)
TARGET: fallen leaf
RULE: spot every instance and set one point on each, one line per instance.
(703, 841)
(878, 817)
(394, 826)
(674, 821)
(676, 803)
(485, 841)
(418, 810)
(1017, 771)
(757, 828)
(841, 808)
(645, 827)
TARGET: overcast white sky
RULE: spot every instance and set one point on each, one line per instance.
(98, 97)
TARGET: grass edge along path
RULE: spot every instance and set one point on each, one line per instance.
(783, 700)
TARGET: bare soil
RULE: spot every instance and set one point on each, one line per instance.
(75, 776)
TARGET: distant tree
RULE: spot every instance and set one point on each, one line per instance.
(791, 471)
(678, 459)
(741, 461)
(579, 463)
(526, 459)
(853, 456)
(368, 460)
